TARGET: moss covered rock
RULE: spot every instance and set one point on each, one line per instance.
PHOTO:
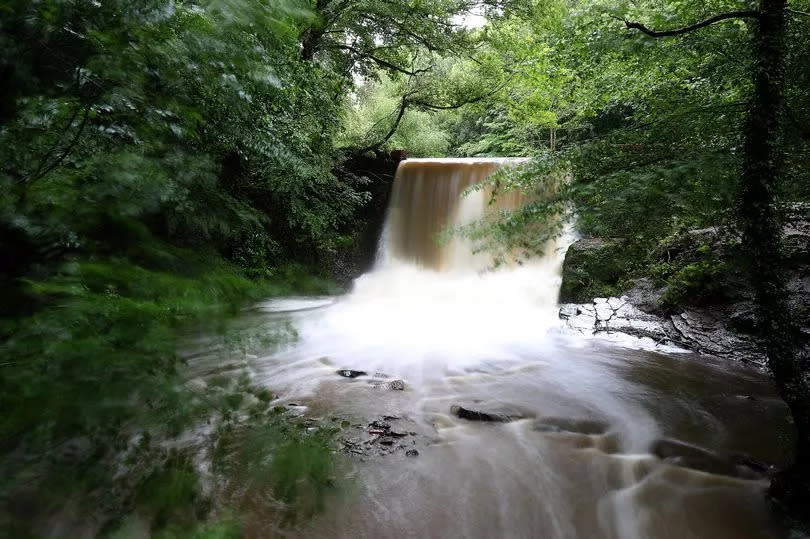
(593, 267)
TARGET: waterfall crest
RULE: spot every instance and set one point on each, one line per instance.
(428, 199)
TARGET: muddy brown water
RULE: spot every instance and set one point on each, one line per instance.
(620, 439)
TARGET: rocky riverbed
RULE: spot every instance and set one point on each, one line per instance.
(704, 332)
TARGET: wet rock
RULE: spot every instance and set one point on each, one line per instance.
(707, 334)
(704, 332)
(604, 311)
(384, 436)
(563, 424)
(744, 318)
(590, 267)
(580, 317)
(612, 314)
(411, 453)
(348, 373)
(475, 415)
(758, 466)
(645, 295)
(396, 385)
(728, 327)
(696, 458)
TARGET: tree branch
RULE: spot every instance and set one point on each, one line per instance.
(380, 61)
(403, 106)
(458, 105)
(696, 26)
(68, 148)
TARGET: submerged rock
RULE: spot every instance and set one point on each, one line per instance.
(696, 458)
(379, 438)
(348, 373)
(563, 424)
(475, 415)
(396, 385)
(412, 453)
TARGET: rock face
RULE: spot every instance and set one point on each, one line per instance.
(704, 332)
(722, 322)
(589, 269)
(373, 176)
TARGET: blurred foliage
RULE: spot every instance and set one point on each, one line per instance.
(154, 156)
(163, 162)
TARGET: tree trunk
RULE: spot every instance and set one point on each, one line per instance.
(762, 232)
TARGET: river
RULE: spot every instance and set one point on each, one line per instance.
(594, 438)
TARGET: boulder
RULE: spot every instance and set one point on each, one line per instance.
(476, 415)
(696, 458)
(568, 425)
(590, 269)
(348, 373)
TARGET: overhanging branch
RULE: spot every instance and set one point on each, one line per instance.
(697, 26)
(452, 106)
(379, 61)
(403, 106)
(798, 12)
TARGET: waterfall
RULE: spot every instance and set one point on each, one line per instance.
(583, 462)
(429, 199)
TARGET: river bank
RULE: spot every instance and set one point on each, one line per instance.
(690, 292)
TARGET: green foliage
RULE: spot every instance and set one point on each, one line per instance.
(142, 145)
(199, 122)
(648, 130)
(697, 283)
(271, 460)
(369, 119)
(170, 492)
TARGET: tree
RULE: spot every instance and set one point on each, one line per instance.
(762, 231)
(417, 47)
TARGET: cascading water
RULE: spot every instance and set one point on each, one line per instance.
(580, 462)
(431, 196)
